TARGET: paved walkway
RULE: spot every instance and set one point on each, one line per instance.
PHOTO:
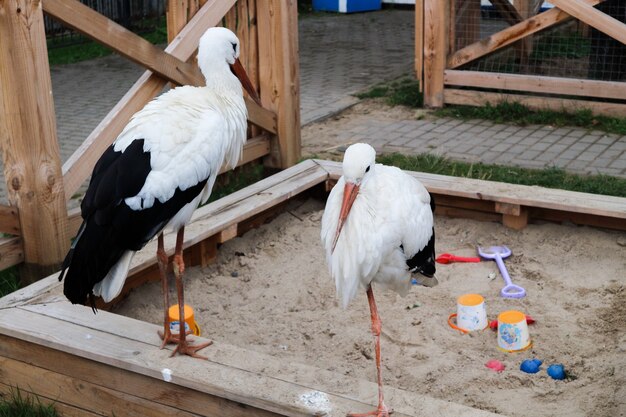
(341, 55)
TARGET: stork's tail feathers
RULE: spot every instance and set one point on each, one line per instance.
(90, 258)
(70, 254)
(424, 263)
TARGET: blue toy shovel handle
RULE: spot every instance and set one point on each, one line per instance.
(510, 290)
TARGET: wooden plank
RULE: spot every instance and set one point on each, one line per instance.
(480, 98)
(434, 51)
(79, 166)
(537, 84)
(225, 374)
(227, 234)
(509, 35)
(462, 213)
(584, 12)
(160, 392)
(84, 19)
(176, 17)
(9, 220)
(508, 208)
(81, 393)
(233, 371)
(30, 150)
(11, 252)
(61, 408)
(524, 195)
(516, 221)
(419, 43)
(277, 23)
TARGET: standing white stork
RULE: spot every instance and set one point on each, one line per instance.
(155, 174)
(377, 227)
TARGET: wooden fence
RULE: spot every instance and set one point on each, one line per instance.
(37, 220)
(442, 58)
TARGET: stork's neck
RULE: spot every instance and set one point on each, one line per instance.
(220, 79)
(222, 83)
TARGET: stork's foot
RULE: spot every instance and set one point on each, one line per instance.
(184, 348)
(167, 337)
(381, 411)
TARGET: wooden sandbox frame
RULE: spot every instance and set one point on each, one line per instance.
(99, 365)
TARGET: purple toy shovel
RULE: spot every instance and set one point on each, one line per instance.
(498, 253)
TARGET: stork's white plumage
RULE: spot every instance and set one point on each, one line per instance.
(377, 228)
(156, 173)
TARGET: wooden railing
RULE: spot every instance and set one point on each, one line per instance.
(438, 59)
(39, 187)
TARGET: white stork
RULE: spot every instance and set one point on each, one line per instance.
(377, 227)
(155, 174)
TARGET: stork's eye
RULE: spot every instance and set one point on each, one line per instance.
(367, 169)
(234, 47)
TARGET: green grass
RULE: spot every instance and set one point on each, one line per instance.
(406, 92)
(9, 281)
(549, 178)
(403, 92)
(518, 114)
(232, 181)
(17, 405)
(561, 45)
(85, 48)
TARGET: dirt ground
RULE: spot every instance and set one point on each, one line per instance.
(270, 291)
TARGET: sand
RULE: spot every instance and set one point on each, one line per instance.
(270, 291)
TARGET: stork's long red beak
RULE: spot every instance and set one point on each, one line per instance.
(350, 191)
(240, 73)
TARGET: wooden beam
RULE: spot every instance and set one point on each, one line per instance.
(480, 98)
(419, 43)
(84, 19)
(98, 388)
(279, 75)
(537, 84)
(509, 35)
(584, 12)
(9, 220)
(11, 252)
(434, 51)
(79, 166)
(32, 163)
(176, 17)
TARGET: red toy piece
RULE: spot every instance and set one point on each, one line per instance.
(448, 258)
(495, 364)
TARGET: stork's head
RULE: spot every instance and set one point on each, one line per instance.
(218, 47)
(359, 163)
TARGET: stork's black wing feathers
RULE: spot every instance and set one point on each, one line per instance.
(116, 176)
(110, 227)
(423, 262)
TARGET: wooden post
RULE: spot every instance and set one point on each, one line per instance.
(32, 163)
(279, 76)
(435, 52)
(419, 43)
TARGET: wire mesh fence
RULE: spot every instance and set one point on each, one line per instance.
(569, 49)
(137, 15)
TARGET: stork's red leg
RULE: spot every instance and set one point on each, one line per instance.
(179, 267)
(382, 410)
(162, 262)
